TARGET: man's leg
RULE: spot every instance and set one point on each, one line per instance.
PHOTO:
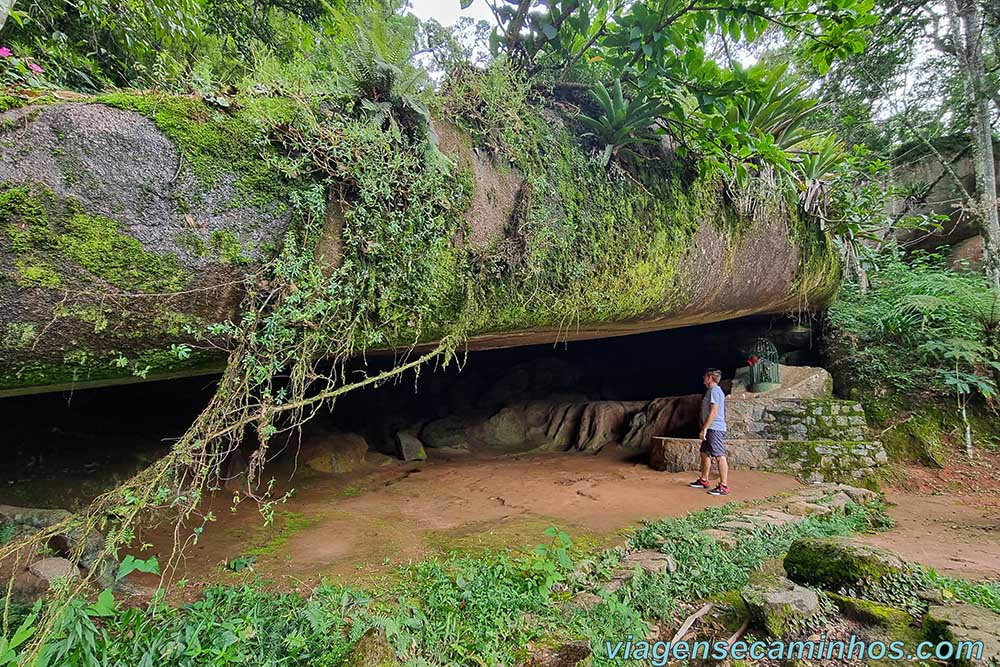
(723, 470)
(706, 465)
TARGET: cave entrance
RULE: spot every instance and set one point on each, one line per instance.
(65, 448)
(479, 476)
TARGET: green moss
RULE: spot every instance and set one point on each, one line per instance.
(18, 336)
(916, 439)
(835, 564)
(82, 366)
(42, 228)
(225, 244)
(288, 524)
(33, 273)
(8, 102)
(871, 613)
(191, 242)
(216, 143)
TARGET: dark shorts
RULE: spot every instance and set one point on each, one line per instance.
(712, 444)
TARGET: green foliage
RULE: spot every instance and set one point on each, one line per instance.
(457, 610)
(899, 340)
(99, 44)
(132, 564)
(40, 228)
(624, 124)
(700, 576)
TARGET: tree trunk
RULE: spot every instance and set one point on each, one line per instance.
(6, 7)
(965, 17)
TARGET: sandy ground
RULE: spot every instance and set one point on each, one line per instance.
(949, 518)
(359, 528)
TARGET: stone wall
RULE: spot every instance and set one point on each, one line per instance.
(815, 439)
(761, 418)
(809, 460)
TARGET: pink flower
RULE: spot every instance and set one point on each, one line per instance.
(34, 67)
(5, 52)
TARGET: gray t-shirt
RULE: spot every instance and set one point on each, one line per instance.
(717, 396)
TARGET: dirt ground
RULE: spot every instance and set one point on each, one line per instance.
(359, 528)
(948, 518)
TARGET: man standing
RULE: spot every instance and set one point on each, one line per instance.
(713, 428)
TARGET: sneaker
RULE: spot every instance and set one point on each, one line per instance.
(699, 484)
(720, 490)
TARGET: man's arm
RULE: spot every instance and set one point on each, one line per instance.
(712, 413)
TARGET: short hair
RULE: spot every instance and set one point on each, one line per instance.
(714, 373)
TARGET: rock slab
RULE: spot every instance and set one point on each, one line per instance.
(836, 563)
(965, 623)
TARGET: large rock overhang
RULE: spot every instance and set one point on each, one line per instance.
(145, 239)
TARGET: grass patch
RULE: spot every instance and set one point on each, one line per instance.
(458, 609)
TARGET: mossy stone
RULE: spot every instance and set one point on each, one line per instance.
(372, 650)
(838, 563)
(871, 613)
(777, 604)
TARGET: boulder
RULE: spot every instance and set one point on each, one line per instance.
(779, 605)
(334, 452)
(674, 454)
(837, 563)
(675, 416)
(51, 569)
(88, 545)
(585, 601)
(409, 447)
(446, 432)
(965, 623)
(372, 650)
(169, 179)
(967, 255)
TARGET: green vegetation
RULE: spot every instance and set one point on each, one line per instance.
(41, 227)
(921, 336)
(460, 609)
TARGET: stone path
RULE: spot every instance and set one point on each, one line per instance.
(820, 499)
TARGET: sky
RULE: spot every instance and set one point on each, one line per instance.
(447, 11)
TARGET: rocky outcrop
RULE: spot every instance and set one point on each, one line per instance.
(126, 221)
(837, 563)
(86, 548)
(675, 416)
(334, 452)
(962, 625)
(554, 425)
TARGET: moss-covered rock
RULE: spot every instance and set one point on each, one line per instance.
(780, 606)
(963, 625)
(838, 563)
(130, 212)
(871, 613)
